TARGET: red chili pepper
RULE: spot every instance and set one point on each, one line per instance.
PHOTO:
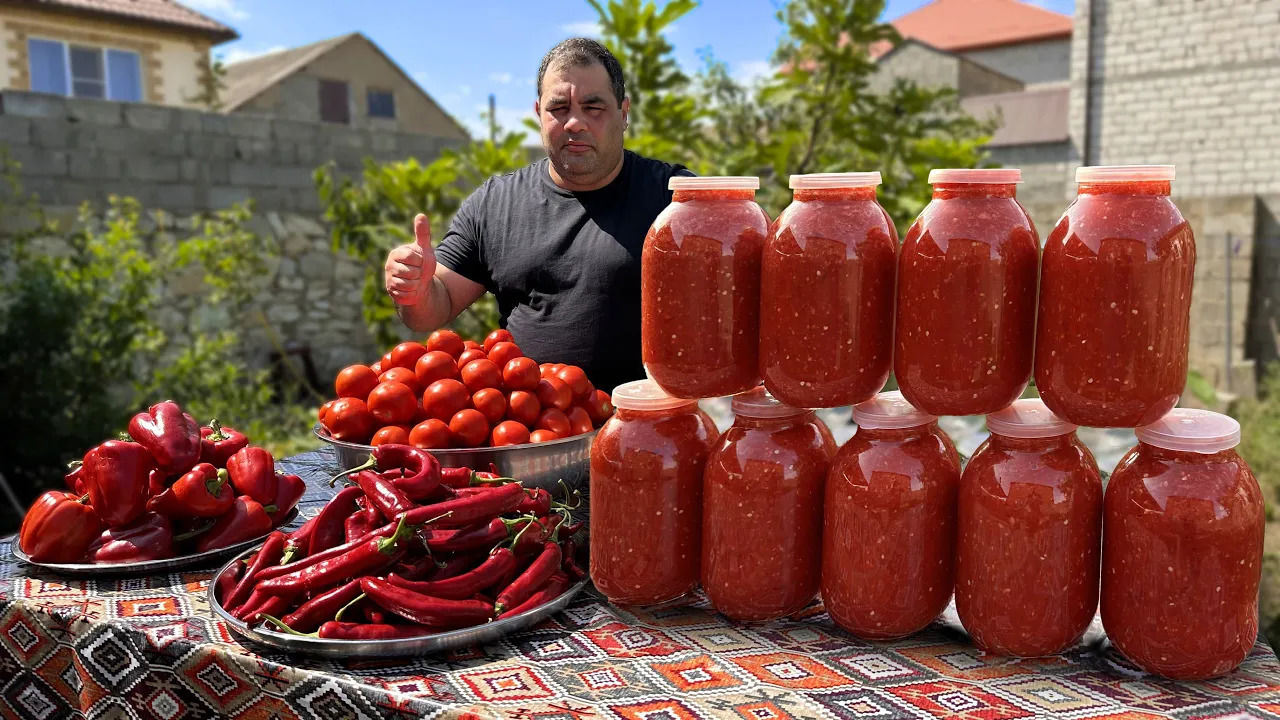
(417, 569)
(150, 537)
(74, 478)
(458, 564)
(269, 555)
(568, 531)
(226, 583)
(170, 435)
(289, 490)
(246, 519)
(59, 527)
(499, 563)
(373, 614)
(473, 538)
(253, 473)
(383, 494)
(203, 491)
(555, 586)
(322, 607)
(470, 509)
(116, 475)
(420, 471)
(425, 610)
(460, 477)
(366, 557)
(329, 528)
(327, 554)
(530, 541)
(536, 501)
(218, 443)
(358, 524)
(272, 605)
(334, 630)
(533, 577)
(569, 550)
(297, 542)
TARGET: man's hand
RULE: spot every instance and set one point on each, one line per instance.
(410, 268)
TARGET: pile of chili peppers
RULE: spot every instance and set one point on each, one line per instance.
(168, 487)
(408, 549)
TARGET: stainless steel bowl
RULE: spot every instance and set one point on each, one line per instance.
(541, 465)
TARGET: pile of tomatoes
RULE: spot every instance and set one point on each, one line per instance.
(455, 393)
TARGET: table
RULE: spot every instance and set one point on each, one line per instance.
(149, 648)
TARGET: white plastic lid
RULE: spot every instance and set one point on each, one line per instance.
(824, 181)
(983, 176)
(1028, 418)
(645, 395)
(759, 403)
(889, 411)
(714, 182)
(1124, 173)
(1191, 430)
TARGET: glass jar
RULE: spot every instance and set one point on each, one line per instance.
(762, 509)
(1182, 548)
(1115, 300)
(700, 288)
(833, 242)
(1030, 535)
(889, 525)
(646, 495)
(966, 307)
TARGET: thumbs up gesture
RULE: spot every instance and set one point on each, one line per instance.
(410, 268)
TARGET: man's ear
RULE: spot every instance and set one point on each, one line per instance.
(626, 111)
(537, 111)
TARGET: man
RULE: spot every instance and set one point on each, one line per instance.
(558, 242)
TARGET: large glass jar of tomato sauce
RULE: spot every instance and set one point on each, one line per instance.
(966, 311)
(835, 243)
(1182, 548)
(1030, 534)
(762, 509)
(888, 536)
(1115, 300)
(700, 288)
(646, 495)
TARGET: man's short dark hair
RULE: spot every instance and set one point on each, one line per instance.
(581, 52)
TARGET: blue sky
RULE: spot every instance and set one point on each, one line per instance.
(459, 52)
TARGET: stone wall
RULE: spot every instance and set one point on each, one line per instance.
(1032, 62)
(1046, 186)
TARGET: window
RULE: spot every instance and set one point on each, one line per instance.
(84, 71)
(334, 107)
(382, 104)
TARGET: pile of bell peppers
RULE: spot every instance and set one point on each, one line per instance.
(168, 487)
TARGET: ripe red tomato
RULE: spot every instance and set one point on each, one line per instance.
(523, 406)
(491, 403)
(503, 352)
(497, 336)
(538, 436)
(573, 376)
(323, 412)
(355, 381)
(376, 368)
(406, 354)
(385, 363)
(579, 421)
(469, 428)
(430, 434)
(395, 434)
(471, 345)
(520, 374)
(393, 403)
(443, 398)
(509, 432)
(350, 420)
(552, 392)
(480, 374)
(447, 341)
(548, 369)
(469, 355)
(555, 421)
(599, 406)
(402, 375)
(434, 365)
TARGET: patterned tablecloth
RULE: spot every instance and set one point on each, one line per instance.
(149, 647)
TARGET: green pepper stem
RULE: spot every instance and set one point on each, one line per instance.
(338, 615)
(280, 624)
(367, 465)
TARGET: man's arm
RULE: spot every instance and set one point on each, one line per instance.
(444, 299)
(426, 293)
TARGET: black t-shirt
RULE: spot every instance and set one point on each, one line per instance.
(564, 266)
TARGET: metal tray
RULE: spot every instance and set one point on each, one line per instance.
(398, 647)
(539, 465)
(147, 567)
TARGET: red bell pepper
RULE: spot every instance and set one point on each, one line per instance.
(289, 490)
(170, 435)
(157, 482)
(218, 443)
(247, 519)
(117, 478)
(74, 477)
(59, 528)
(150, 537)
(253, 473)
(204, 491)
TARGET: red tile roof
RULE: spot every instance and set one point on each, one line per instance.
(971, 24)
(152, 12)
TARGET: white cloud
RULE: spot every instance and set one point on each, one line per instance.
(582, 28)
(749, 71)
(501, 78)
(237, 54)
(218, 8)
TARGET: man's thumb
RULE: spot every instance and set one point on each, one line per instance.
(422, 232)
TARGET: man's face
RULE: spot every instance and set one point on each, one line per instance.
(582, 124)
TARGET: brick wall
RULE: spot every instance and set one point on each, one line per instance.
(1033, 62)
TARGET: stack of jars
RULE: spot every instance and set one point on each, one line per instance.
(821, 304)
